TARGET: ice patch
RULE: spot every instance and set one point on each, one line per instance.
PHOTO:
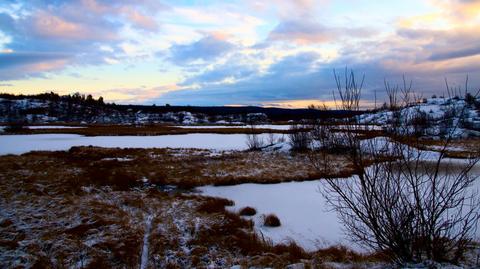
(19, 144)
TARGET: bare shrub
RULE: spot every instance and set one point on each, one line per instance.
(15, 127)
(271, 139)
(109, 174)
(271, 220)
(300, 139)
(248, 211)
(254, 140)
(409, 204)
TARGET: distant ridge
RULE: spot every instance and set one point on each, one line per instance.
(82, 102)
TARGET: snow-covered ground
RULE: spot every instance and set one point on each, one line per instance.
(358, 127)
(434, 117)
(18, 144)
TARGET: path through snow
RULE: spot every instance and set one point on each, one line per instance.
(146, 237)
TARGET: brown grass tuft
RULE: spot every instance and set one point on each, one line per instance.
(248, 211)
(271, 220)
(345, 255)
(214, 205)
(294, 251)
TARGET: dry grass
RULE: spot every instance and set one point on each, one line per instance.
(271, 220)
(247, 211)
(143, 130)
(185, 168)
(236, 234)
(214, 205)
(87, 208)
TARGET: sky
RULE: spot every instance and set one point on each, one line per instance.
(251, 52)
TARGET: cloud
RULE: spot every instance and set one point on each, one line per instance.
(141, 20)
(18, 64)
(12, 59)
(207, 48)
(47, 25)
(6, 23)
(306, 32)
(306, 76)
(441, 45)
(139, 95)
(285, 9)
(455, 53)
(460, 10)
(221, 73)
(286, 79)
(300, 63)
(236, 52)
(79, 29)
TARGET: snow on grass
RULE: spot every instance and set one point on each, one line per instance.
(146, 237)
(118, 159)
(19, 144)
(441, 116)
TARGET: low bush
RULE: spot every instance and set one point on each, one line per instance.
(117, 178)
(15, 127)
(294, 251)
(339, 254)
(247, 211)
(214, 205)
(300, 140)
(271, 221)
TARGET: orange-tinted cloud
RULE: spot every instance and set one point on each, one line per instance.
(48, 25)
(139, 19)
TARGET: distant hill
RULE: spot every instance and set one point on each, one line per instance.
(76, 108)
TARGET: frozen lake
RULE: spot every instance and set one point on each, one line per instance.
(299, 205)
(264, 126)
(276, 127)
(301, 208)
(18, 144)
(54, 127)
